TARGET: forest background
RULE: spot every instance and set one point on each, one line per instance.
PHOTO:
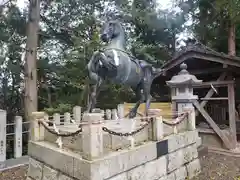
(69, 34)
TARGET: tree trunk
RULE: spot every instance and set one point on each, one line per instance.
(31, 96)
(231, 39)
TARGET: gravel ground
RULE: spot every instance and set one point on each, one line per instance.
(18, 173)
(218, 167)
(214, 167)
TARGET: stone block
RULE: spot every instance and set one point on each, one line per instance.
(175, 160)
(181, 140)
(49, 173)
(193, 168)
(156, 169)
(63, 177)
(122, 161)
(182, 156)
(170, 176)
(35, 169)
(82, 169)
(190, 153)
(137, 173)
(122, 176)
(181, 173)
(60, 159)
(151, 170)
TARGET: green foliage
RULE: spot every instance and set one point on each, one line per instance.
(69, 34)
(61, 108)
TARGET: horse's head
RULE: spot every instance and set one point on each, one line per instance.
(110, 30)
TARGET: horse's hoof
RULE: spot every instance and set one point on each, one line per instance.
(132, 115)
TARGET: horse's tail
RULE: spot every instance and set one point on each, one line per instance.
(157, 72)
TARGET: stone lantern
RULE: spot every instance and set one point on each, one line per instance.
(183, 85)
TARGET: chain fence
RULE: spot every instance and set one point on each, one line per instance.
(172, 122)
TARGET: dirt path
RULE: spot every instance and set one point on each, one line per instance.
(214, 167)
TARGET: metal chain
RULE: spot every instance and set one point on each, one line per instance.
(128, 133)
(59, 134)
(181, 118)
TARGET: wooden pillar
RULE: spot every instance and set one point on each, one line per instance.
(211, 91)
(231, 110)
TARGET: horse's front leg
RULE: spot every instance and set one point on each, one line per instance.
(140, 97)
(108, 62)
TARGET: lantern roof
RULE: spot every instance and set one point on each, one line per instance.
(183, 78)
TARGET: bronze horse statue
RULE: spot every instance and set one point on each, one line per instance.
(115, 64)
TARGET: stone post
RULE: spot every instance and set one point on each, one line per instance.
(77, 114)
(120, 110)
(18, 137)
(92, 136)
(3, 124)
(157, 124)
(36, 130)
(191, 117)
(67, 117)
(56, 118)
(114, 114)
(108, 114)
(158, 128)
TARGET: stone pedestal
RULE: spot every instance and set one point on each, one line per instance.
(171, 158)
(159, 156)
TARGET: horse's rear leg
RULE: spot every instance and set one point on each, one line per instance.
(140, 97)
(93, 93)
(147, 82)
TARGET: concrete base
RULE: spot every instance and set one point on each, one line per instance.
(210, 138)
(173, 158)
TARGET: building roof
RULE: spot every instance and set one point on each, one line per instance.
(200, 51)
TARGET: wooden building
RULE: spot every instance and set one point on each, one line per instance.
(217, 111)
